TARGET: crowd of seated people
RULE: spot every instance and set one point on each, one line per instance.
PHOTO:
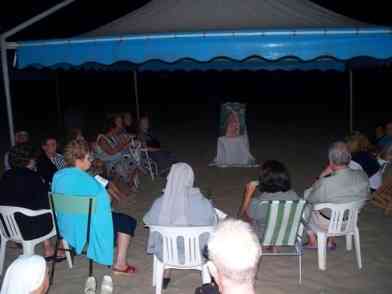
(181, 204)
(112, 147)
(337, 183)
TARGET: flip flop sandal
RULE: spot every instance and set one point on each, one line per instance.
(128, 271)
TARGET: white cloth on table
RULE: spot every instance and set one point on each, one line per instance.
(234, 151)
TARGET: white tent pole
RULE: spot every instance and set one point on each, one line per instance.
(351, 102)
(136, 94)
(6, 80)
(4, 61)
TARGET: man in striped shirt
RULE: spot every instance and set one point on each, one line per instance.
(49, 161)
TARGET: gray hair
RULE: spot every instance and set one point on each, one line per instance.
(339, 153)
(235, 251)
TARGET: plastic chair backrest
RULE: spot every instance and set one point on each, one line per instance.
(72, 204)
(191, 240)
(283, 222)
(344, 216)
(220, 215)
(8, 226)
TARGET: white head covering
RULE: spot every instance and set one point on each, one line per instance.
(25, 275)
(175, 199)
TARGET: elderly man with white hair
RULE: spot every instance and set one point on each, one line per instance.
(337, 184)
(234, 252)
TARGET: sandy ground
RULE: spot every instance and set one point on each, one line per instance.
(304, 152)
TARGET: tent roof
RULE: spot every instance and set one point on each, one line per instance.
(164, 32)
(169, 16)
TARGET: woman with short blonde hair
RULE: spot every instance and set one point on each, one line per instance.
(107, 228)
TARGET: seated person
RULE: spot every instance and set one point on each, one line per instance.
(49, 161)
(20, 138)
(385, 172)
(274, 184)
(21, 186)
(337, 184)
(180, 205)
(164, 159)
(387, 138)
(113, 149)
(26, 275)
(129, 127)
(234, 253)
(107, 227)
(360, 147)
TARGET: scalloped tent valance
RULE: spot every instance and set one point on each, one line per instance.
(164, 32)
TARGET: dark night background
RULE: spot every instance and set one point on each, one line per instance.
(308, 99)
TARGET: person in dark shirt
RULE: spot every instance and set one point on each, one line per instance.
(49, 161)
(21, 186)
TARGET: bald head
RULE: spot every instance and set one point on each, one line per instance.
(235, 250)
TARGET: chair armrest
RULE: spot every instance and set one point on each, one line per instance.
(29, 212)
(320, 206)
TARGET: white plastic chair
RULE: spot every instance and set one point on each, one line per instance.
(170, 253)
(10, 231)
(343, 222)
(220, 215)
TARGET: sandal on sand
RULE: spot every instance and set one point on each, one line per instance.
(90, 286)
(107, 285)
(128, 271)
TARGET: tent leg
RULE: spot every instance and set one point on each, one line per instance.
(351, 102)
(136, 95)
(6, 79)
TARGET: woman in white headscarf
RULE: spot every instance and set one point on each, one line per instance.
(180, 205)
(26, 275)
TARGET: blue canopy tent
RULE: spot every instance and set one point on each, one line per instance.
(216, 34)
